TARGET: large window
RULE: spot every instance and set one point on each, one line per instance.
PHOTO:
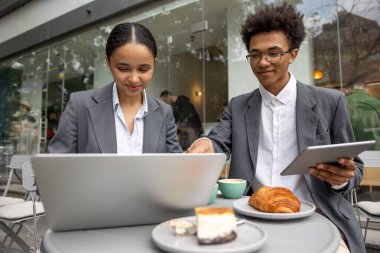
(200, 59)
(348, 59)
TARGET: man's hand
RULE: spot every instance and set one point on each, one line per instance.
(335, 174)
(202, 145)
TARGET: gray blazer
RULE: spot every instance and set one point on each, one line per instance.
(321, 118)
(88, 125)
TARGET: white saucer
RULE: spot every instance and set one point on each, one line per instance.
(242, 206)
(250, 237)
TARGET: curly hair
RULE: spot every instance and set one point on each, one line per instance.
(280, 17)
(125, 33)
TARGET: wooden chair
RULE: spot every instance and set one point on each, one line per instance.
(371, 177)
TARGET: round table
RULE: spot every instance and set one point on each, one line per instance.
(314, 233)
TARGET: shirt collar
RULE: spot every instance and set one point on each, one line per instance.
(266, 96)
(142, 112)
(286, 95)
(144, 107)
(115, 97)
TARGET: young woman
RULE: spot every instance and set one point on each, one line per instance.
(120, 117)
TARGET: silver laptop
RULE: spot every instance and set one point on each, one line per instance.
(84, 191)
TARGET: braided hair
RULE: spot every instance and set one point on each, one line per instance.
(125, 33)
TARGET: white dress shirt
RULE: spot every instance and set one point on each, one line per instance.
(129, 143)
(278, 145)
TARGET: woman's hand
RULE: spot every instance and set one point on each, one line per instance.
(202, 145)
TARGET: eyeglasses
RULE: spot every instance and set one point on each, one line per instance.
(271, 57)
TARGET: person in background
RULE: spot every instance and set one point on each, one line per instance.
(373, 89)
(188, 122)
(26, 129)
(364, 113)
(265, 130)
(119, 117)
(221, 112)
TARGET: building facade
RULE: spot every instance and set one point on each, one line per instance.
(49, 50)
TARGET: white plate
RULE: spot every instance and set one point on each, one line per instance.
(250, 237)
(242, 206)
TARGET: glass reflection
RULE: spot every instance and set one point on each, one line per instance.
(341, 50)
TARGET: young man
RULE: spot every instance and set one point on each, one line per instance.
(266, 129)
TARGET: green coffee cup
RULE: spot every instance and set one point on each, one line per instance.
(213, 194)
(232, 188)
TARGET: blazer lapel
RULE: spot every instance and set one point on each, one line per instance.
(306, 122)
(152, 123)
(306, 118)
(103, 120)
(252, 121)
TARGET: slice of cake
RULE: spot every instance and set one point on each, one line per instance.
(215, 225)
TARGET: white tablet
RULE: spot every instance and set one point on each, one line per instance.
(325, 154)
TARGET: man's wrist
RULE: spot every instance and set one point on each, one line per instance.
(339, 186)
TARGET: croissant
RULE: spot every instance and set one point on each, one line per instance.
(275, 200)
